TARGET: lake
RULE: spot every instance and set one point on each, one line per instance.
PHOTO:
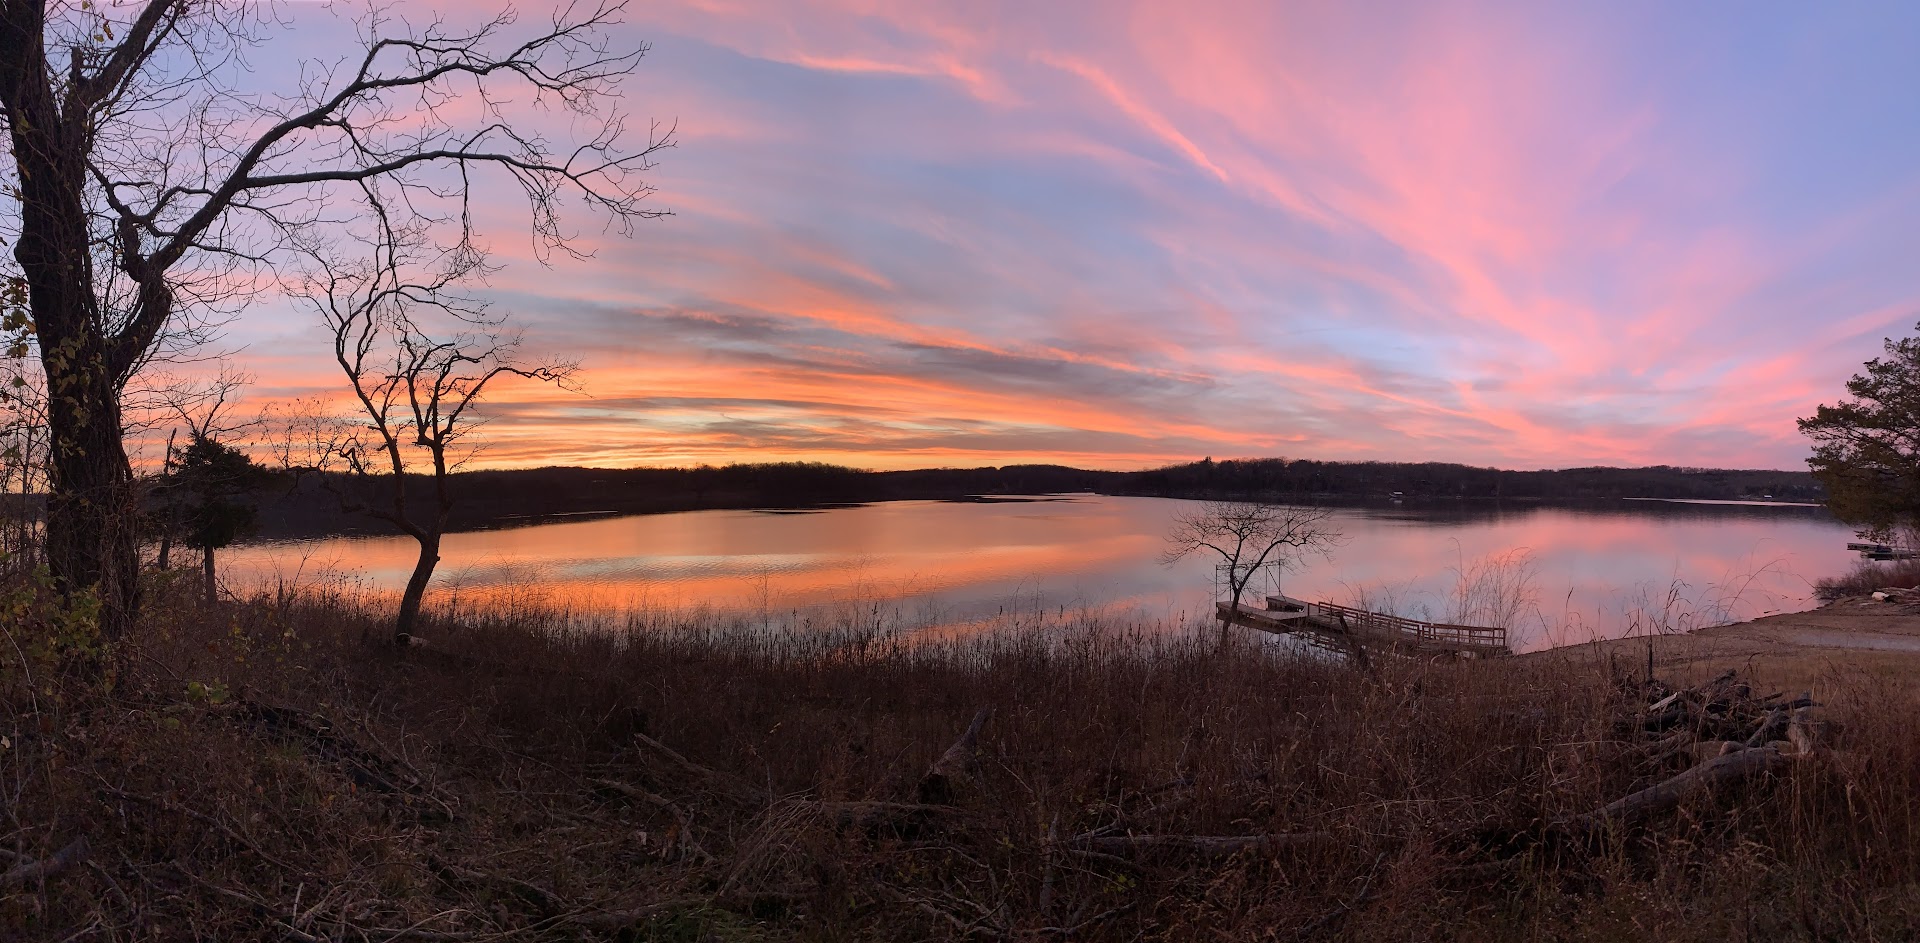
(971, 566)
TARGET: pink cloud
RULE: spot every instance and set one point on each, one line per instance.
(1435, 233)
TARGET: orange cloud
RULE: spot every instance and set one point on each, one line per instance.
(1138, 232)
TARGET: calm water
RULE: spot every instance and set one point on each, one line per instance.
(958, 566)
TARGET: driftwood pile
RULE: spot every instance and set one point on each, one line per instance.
(1885, 599)
(1685, 743)
(1716, 735)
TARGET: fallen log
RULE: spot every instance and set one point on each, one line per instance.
(1635, 808)
(1770, 729)
(1678, 703)
(1706, 750)
(959, 765)
(1673, 715)
(1808, 732)
(1722, 694)
(1677, 741)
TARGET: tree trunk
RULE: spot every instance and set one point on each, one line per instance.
(1723, 770)
(90, 540)
(173, 508)
(416, 589)
(91, 543)
(206, 571)
(1226, 620)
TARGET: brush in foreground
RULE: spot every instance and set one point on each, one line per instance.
(269, 774)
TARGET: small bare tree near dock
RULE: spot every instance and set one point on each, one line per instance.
(1247, 535)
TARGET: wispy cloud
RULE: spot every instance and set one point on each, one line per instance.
(1135, 232)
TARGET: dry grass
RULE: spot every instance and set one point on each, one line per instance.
(502, 784)
(1868, 576)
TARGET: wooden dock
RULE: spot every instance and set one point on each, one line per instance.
(1874, 551)
(1289, 616)
(1270, 619)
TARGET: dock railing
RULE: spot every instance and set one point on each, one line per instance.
(1396, 629)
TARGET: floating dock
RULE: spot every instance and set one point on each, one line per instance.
(1884, 551)
(1285, 615)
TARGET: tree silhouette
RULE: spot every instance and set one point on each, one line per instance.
(207, 493)
(155, 186)
(1247, 535)
(419, 356)
(1866, 450)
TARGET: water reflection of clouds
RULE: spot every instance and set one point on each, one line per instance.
(918, 564)
(701, 565)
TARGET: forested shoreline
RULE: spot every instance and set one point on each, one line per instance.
(307, 507)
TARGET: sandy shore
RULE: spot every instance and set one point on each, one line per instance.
(1845, 638)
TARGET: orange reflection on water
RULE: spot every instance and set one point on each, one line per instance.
(736, 560)
(923, 564)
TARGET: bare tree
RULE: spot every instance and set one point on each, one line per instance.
(419, 356)
(1247, 535)
(153, 186)
(205, 405)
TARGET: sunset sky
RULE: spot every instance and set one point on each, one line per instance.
(1126, 234)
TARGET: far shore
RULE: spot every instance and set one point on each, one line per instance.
(494, 499)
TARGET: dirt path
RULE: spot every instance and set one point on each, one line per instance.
(1851, 636)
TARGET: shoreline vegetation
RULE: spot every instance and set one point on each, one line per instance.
(272, 768)
(491, 499)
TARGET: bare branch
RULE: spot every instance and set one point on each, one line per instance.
(158, 192)
(415, 386)
(1247, 535)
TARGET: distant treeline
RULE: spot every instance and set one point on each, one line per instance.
(505, 498)
(1441, 480)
